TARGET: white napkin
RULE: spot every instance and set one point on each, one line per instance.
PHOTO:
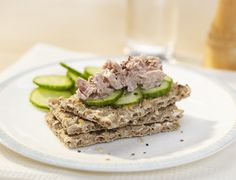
(222, 165)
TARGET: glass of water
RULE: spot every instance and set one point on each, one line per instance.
(151, 27)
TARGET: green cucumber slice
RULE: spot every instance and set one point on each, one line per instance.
(130, 98)
(169, 79)
(79, 74)
(86, 75)
(92, 70)
(108, 100)
(39, 97)
(155, 92)
(73, 90)
(55, 82)
(72, 76)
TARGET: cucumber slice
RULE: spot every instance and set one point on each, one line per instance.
(169, 79)
(39, 97)
(55, 82)
(92, 70)
(108, 100)
(86, 75)
(161, 90)
(72, 76)
(130, 98)
(73, 90)
(79, 74)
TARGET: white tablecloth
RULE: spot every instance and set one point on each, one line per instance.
(13, 166)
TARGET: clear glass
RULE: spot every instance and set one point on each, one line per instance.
(151, 27)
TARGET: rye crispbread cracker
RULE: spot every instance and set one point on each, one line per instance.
(110, 118)
(108, 135)
(75, 125)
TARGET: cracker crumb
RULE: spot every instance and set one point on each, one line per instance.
(141, 140)
(99, 149)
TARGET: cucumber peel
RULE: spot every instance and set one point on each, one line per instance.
(72, 76)
(74, 71)
(39, 97)
(54, 82)
(104, 101)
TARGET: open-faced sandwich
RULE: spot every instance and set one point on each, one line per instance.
(128, 99)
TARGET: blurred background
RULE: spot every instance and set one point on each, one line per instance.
(95, 26)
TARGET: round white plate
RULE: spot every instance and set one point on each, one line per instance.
(207, 127)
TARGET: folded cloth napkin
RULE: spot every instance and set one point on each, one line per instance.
(13, 166)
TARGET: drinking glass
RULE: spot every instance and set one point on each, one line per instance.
(151, 27)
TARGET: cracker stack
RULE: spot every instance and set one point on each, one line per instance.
(78, 125)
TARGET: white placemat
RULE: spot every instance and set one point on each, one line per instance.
(13, 166)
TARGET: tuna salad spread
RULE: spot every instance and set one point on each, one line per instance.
(120, 100)
(145, 72)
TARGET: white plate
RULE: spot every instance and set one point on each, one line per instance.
(207, 127)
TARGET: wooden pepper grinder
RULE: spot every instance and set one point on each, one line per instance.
(221, 41)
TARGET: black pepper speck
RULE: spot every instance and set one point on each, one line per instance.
(181, 140)
(144, 152)
(78, 151)
(133, 154)
(147, 144)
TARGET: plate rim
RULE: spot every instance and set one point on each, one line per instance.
(136, 165)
